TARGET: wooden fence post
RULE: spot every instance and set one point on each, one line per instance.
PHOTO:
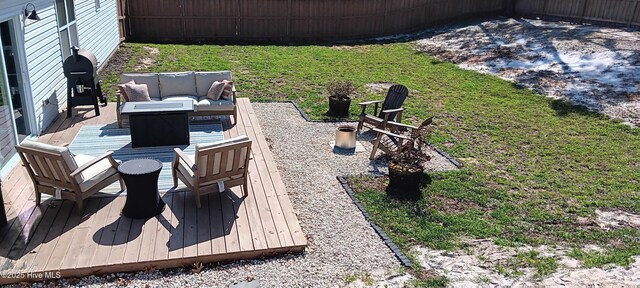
(288, 33)
(121, 4)
(183, 19)
(584, 10)
(384, 19)
(633, 15)
(237, 19)
(508, 7)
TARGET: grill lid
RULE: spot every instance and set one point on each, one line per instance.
(82, 65)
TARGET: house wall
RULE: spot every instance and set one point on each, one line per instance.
(97, 32)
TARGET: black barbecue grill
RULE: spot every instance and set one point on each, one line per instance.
(83, 86)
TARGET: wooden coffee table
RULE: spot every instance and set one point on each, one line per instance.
(158, 123)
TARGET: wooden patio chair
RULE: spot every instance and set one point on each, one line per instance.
(214, 167)
(391, 109)
(55, 171)
(389, 142)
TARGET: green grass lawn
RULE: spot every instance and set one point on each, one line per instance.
(533, 166)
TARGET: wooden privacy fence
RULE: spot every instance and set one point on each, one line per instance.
(277, 20)
(625, 12)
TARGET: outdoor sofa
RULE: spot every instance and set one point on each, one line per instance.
(188, 85)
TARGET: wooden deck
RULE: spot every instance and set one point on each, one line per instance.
(52, 240)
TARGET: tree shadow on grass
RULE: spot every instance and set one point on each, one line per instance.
(404, 193)
(564, 108)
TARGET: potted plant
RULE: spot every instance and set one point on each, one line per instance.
(406, 168)
(340, 97)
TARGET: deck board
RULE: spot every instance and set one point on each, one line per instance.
(80, 233)
(176, 241)
(259, 148)
(218, 244)
(54, 237)
(163, 232)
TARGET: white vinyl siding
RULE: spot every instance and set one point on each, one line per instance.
(44, 62)
(96, 32)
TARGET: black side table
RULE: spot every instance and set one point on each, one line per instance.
(141, 178)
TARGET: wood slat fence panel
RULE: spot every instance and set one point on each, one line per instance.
(284, 20)
(620, 12)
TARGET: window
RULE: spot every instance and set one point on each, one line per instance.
(66, 26)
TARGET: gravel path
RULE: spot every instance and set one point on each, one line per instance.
(341, 242)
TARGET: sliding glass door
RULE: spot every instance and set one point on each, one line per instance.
(14, 126)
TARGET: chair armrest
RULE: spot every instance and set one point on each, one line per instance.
(400, 125)
(392, 110)
(390, 134)
(388, 112)
(108, 156)
(181, 156)
(370, 102)
(364, 106)
(118, 99)
(234, 92)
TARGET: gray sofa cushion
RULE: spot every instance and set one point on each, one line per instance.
(205, 79)
(177, 84)
(151, 79)
(206, 104)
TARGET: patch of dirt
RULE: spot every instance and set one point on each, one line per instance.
(477, 266)
(593, 66)
(360, 48)
(378, 88)
(375, 184)
(617, 219)
(379, 278)
(382, 88)
(451, 206)
(278, 82)
(118, 61)
(149, 60)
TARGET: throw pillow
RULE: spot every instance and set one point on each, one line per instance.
(137, 92)
(215, 90)
(123, 92)
(227, 92)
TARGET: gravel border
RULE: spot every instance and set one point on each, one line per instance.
(347, 188)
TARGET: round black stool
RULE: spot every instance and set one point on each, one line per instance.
(141, 178)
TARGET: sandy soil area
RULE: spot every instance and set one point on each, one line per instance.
(590, 65)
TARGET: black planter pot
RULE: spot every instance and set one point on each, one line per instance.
(339, 107)
(404, 183)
